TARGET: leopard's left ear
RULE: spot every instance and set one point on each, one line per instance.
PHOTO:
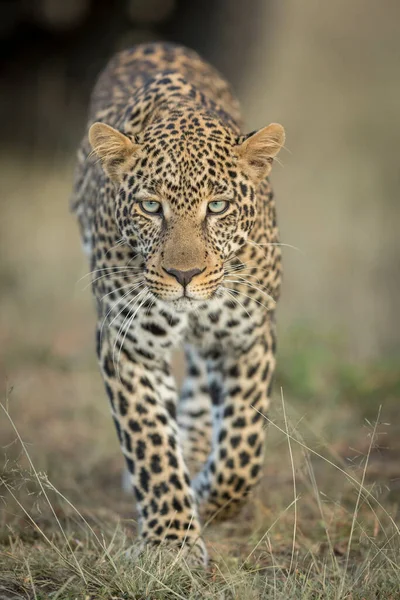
(112, 147)
(256, 153)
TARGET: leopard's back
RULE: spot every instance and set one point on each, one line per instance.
(133, 71)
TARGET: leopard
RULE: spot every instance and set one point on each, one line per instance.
(178, 221)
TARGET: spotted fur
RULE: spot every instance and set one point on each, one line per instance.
(165, 128)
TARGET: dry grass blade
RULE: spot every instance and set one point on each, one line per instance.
(268, 531)
(31, 579)
(42, 489)
(355, 513)
(294, 482)
(329, 462)
(63, 588)
(96, 537)
(39, 530)
(165, 587)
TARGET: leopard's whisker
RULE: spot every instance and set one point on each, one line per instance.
(132, 276)
(126, 331)
(236, 272)
(113, 268)
(111, 310)
(243, 280)
(252, 298)
(242, 262)
(232, 295)
(152, 303)
(262, 244)
(134, 301)
(133, 258)
(235, 292)
(126, 306)
(120, 242)
(114, 291)
(113, 274)
(250, 284)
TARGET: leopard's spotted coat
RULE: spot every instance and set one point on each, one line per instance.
(173, 136)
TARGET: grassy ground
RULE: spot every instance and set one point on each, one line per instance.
(324, 522)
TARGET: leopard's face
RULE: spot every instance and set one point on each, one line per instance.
(185, 198)
(190, 206)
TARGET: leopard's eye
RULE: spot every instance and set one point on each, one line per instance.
(151, 206)
(217, 207)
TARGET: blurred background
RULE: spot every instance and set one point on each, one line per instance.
(329, 72)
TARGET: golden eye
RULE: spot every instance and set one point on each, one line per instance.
(217, 207)
(151, 206)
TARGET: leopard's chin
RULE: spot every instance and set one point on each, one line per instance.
(185, 303)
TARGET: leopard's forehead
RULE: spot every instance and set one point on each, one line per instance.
(199, 125)
(189, 154)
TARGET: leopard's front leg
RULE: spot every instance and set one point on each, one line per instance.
(194, 412)
(143, 402)
(240, 383)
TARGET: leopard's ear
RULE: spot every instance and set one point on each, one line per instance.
(256, 153)
(112, 147)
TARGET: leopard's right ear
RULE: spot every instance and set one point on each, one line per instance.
(257, 152)
(112, 147)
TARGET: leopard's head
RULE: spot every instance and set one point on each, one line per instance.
(186, 196)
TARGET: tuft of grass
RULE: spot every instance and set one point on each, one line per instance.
(49, 570)
(106, 572)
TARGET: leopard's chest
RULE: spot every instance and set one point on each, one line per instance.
(223, 325)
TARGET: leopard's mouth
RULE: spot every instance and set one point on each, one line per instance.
(186, 299)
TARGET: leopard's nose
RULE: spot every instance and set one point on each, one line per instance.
(183, 277)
